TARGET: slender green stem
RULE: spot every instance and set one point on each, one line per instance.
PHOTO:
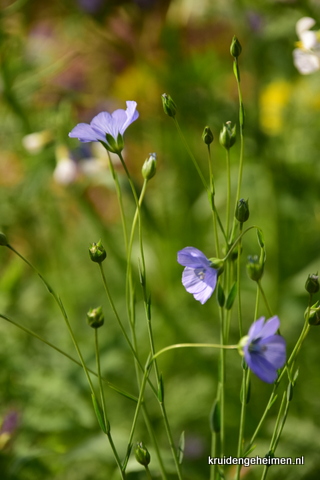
(132, 348)
(130, 298)
(140, 401)
(244, 390)
(102, 396)
(241, 123)
(194, 345)
(238, 282)
(237, 240)
(154, 441)
(264, 298)
(213, 209)
(277, 428)
(106, 287)
(148, 472)
(292, 357)
(194, 161)
(35, 335)
(64, 314)
(120, 200)
(103, 404)
(222, 385)
(228, 192)
(256, 309)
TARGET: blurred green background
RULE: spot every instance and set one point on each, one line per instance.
(62, 63)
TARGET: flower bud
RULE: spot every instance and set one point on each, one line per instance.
(227, 136)
(313, 314)
(142, 455)
(150, 166)
(255, 268)
(95, 317)
(235, 47)
(312, 283)
(3, 240)
(169, 106)
(207, 135)
(97, 252)
(242, 210)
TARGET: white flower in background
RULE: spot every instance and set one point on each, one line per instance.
(306, 57)
(66, 170)
(35, 142)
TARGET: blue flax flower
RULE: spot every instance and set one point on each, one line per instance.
(264, 350)
(199, 277)
(107, 128)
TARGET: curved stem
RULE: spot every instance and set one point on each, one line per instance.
(64, 314)
(193, 345)
(194, 161)
(35, 335)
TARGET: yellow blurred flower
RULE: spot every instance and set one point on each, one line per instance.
(273, 100)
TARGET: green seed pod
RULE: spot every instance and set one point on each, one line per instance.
(313, 314)
(312, 283)
(97, 252)
(150, 166)
(142, 455)
(227, 137)
(169, 106)
(95, 318)
(207, 135)
(235, 47)
(242, 211)
(255, 268)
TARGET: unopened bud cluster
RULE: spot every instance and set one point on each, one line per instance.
(242, 210)
(255, 268)
(227, 136)
(142, 455)
(169, 106)
(207, 136)
(97, 252)
(312, 283)
(149, 167)
(95, 317)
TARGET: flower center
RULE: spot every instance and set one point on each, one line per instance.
(255, 346)
(200, 272)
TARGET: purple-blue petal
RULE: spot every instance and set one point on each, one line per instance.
(191, 281)
(193, 258)
(255, 329)
(84, 133)
(119, 118)
(261, 367)
(203, 296)
(275, 350)
(270, 327)
(131, 113)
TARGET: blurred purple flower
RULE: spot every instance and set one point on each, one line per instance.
(107, 128)
(198, 278)
(264, 350)
(90, 6)
(10, 423)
